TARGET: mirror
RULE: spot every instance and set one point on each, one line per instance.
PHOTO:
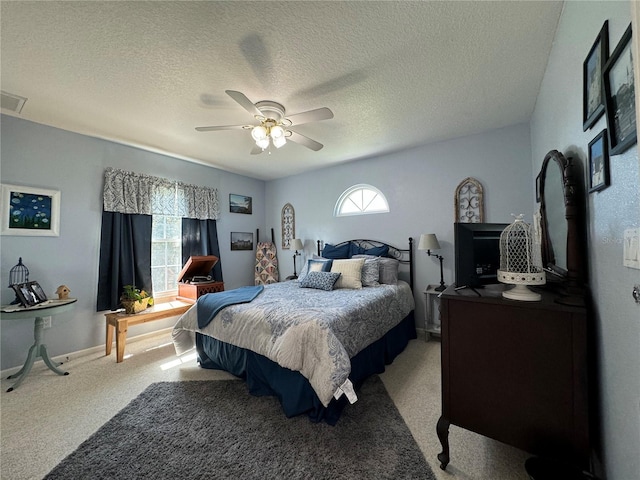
(562, 225)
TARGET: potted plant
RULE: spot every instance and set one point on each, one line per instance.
(135, 300)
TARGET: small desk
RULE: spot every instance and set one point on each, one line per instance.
(38, 349)
(120, 321)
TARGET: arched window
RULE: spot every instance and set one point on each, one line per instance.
(361, 200)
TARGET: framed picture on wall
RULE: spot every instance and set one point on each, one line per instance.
(598, 163)
(240, 204)
(241, 241)
(619, 91)
(288, 225)
(29, 211)
(593, 90)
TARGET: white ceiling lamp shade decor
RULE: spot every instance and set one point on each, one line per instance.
(273, 128)
(520, 261)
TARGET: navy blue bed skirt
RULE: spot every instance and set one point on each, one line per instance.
(265, 377)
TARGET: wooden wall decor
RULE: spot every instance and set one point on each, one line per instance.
(288, 225)
(469, 201)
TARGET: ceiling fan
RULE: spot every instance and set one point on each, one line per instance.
(274, 127)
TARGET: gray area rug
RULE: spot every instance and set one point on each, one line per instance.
(217, 430)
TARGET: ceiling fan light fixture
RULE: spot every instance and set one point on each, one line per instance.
(263, 142)
(259, 133)
(279, 141)
(276, 132)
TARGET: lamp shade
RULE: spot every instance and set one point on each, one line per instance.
(276, 132)
(296, 244)
(258, 132)
(428, 241)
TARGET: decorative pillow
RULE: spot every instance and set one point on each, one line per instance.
(389, 271)
(355, 249)
(371, 272)
(333, 252)
(320, 280)
(381, 251)
(315, 265)
(351, 271)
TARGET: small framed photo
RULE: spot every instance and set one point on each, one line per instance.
(619, 94)
(29, 211)
(241, 241)
(598, 163)
(593, 90)
(240, 204)
(25, 294)
(38, 291)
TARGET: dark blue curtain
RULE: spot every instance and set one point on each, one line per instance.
(125, 256)
(200, 237)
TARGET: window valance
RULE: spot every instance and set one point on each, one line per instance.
(137, 193)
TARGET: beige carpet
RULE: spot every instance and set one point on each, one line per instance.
(48, 416)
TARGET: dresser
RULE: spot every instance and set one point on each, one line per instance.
(516, 372)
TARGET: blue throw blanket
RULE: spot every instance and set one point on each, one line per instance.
(210, 304)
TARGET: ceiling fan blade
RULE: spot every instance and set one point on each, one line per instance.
(311, 116)
(244, 102)
(306, 141)
(256, 150)
(220, 127)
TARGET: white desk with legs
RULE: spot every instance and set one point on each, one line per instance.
(38, 349)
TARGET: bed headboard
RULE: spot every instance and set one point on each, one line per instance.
(403, 255)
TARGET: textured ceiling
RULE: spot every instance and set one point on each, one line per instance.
(395, 74)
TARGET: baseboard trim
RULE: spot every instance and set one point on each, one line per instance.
(64, 358)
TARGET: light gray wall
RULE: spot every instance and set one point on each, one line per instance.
(40, 156)
(557, 124)
(419, 185)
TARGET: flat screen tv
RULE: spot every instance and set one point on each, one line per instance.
(477, 249)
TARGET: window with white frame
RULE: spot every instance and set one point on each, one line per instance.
(361, 199)
(166, 254)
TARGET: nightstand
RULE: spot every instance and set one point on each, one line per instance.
(432, 312)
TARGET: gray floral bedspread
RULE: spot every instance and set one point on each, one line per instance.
(314, 332)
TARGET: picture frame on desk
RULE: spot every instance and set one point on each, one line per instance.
(30, 294)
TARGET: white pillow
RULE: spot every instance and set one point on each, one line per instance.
(351, 271)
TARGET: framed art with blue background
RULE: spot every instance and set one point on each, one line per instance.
(240, 204)
(593, 91)
(619, 90)
(29, 211)
(598, 163)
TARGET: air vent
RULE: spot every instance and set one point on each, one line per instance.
(13, 103)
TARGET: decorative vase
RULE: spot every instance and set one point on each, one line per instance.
(135, 306)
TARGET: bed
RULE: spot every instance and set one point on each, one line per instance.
(310, 342)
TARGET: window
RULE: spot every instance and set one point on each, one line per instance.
(360, 200)
(166, 254)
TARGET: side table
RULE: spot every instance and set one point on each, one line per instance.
(38, 349)
(432, 312)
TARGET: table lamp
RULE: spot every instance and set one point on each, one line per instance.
(428, 242)
(297, 245)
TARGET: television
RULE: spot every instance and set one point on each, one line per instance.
(477, 253)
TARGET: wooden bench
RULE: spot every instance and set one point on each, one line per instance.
(120, 321)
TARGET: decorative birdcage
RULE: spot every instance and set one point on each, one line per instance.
(520, 261)
(17, 275)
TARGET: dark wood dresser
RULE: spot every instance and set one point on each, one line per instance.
(516, 372)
